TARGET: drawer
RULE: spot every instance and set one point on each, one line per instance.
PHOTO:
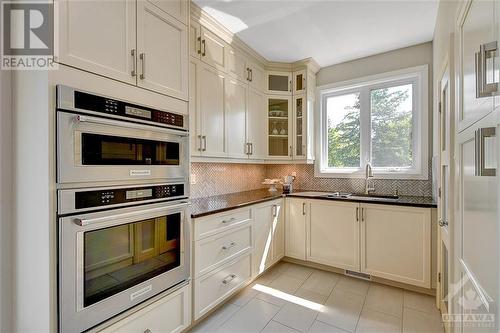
(170, 314)
(213, 224)
(214, 251)
(213, 288)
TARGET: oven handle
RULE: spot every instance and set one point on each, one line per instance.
(85, 222)
(105, 121)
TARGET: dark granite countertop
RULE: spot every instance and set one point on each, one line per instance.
(221, 203)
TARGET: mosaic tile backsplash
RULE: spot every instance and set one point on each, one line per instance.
(221, 178)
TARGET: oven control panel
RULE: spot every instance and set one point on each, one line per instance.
(99, 198)
(72, 99)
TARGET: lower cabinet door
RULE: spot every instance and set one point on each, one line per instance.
(263, 251)
(278, 230)
(214, 287)
(170, 314)
(334, 234)
(295, 228)
(396, 243)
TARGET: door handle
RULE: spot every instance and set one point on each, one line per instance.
(142, 57)
(362, 214)
(251, 75)
(203, 143)
(200, 148)
(275, 210)
(134, 63)
(199, 45)
(229, 278)
(357, 214)
(251, 148)
(204, 44)
(303, 208)
(483, 88)
(480, 160)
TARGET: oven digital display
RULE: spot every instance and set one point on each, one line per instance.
(137, 112)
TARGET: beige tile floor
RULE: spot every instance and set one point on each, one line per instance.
(293, 298)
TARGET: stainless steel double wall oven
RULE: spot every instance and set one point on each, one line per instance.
(123, 213)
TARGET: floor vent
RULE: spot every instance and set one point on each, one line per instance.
(359, 275)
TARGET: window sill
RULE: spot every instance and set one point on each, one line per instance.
(344, 173)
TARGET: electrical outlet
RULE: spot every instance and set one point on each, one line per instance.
(193, 179)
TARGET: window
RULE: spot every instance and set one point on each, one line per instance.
(380, 120)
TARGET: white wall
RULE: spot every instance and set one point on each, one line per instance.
(5, 203)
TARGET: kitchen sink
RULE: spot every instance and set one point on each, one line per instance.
(375, 196)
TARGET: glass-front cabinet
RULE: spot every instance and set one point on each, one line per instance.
(300, 126)
(279, 83)
(279, 127)
(299, 82)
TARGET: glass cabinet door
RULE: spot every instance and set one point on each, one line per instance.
(300, 133)
(299, 82)
(279, 120)
(279, 83)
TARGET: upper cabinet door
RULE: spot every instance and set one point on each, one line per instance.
(162, 44)
(195, 39)
(279, 83)
(236, 64)
(88, 41)
(300, 133)
(211, 98)
(236, 108)
(178, 9)
(213, 50)
(194, 108)
(476, 29)
(256, 124)
(256, 76)
(299, 82)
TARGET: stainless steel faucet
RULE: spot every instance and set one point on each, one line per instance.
(368, 176)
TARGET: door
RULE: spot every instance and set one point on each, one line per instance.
(263, 250)
(476, 28)
(236, 64)
(279, 127)
(445, 191)
(334, 234)
(396, 243)
(162, 46)
(236, 109)
(211, 98)
(278, 230)
(256, 124)
(257, 76)
(88, 41)
(213, 50)
(300, 133)
(279, 83)
(295, 228)
(196, 143)
(178, 9)
(300, 82)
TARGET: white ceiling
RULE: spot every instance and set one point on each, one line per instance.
(329, 31)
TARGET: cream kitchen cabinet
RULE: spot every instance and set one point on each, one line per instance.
(256, 121)
(256, 76)
(268, 221)
(279, 83)
(333, 230)
(236, 115)
(178, 9)
(162, 51)
(396, 243)
(299, 82)
(152, 318)
(145, 46)
(213, 49)
(279, 127)
(295, 228)
(237, 64)
(476, 33)
(194, 39)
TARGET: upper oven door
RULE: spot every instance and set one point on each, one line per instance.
(95, 149)
(110, 261)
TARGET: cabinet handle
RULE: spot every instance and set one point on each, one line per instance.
(290, 85)
(204, 138)
(483, 88)
(443, 223)
(134, 63)
(275, 210)
(228, 279)
(303, 83)
(291, 151)
(480, 160)
(199, 45)
(303, 208)
(248, 74)
(148, 331)
(200, 148)
(229, 221)
(204, 44)
(227, 247)
(251, 148)
(142, 57)
(251, 75)
(357, 214)
(362, 214)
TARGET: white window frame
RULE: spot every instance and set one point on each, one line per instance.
(418, 77)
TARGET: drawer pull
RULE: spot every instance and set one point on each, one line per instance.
(148, 331)
(227, 247)
(229, 221)
(229, 279)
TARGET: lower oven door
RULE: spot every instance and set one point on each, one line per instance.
(110, 261)
(96, 149)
